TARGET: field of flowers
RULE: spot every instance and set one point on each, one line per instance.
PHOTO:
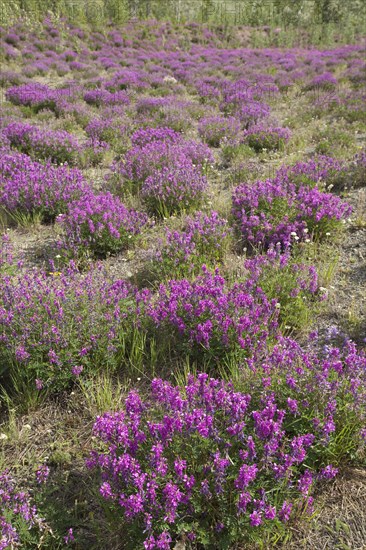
(182, 326)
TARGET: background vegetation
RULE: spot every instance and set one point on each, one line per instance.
(321, 18)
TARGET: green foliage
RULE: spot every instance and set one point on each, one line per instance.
(301, 22)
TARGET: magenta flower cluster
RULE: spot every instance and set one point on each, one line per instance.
(35, 95)
(64, 322)
(273, 211)
(140, 162)
(262, 136)
(17, 513)
(213, 129)
(191, 461)
(174, 189)
(211, 314)
(57, 146)
(100, 223)
(143, 136)
(318, 170)
(203, 240)
(31, 187)
(100, 97)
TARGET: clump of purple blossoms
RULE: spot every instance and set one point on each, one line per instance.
(325, 81)
(101, 97)
(210, 314)
(271, 211)
(31, 187)
(294, 285)
(173, 189)
(271, 138)
(35, 95)
(107, 129)
(212, 129)
(318, 170)
(203, 240)
(18, 515)
(143, 136)
(167, 456)
(100, 223)
(57, 146)
(252, 112)
(53, 321)
(140, 162)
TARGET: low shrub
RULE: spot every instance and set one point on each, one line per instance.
(174, 189)
(271, 138)
(101, 224)
(204, 240)
(57, 146)
(213, 129)
(208, 464)
(29, 187)
(20, 523)
(55, 325)
(271, 212)
(209, 319)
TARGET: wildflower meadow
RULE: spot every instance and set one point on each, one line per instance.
(182, 275)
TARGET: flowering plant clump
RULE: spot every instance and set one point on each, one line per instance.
(173, 114)
(204, 240)
(205, 463)
(104, 97)
(29, 187)
(213, 129)
(325, 81)
(58, 146)
(127, 79)
(106, 129)
(140, 162)
(295, 285)
(20, 523)
(143, 136)
(173, 189)
(35, 95)
(209, 315)
(252, 112)
(326, 390)
(312, 172)
(57, 324)
(148, 105)
(352, 105)
(261, 137)
(100, 223)
(270, 212)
